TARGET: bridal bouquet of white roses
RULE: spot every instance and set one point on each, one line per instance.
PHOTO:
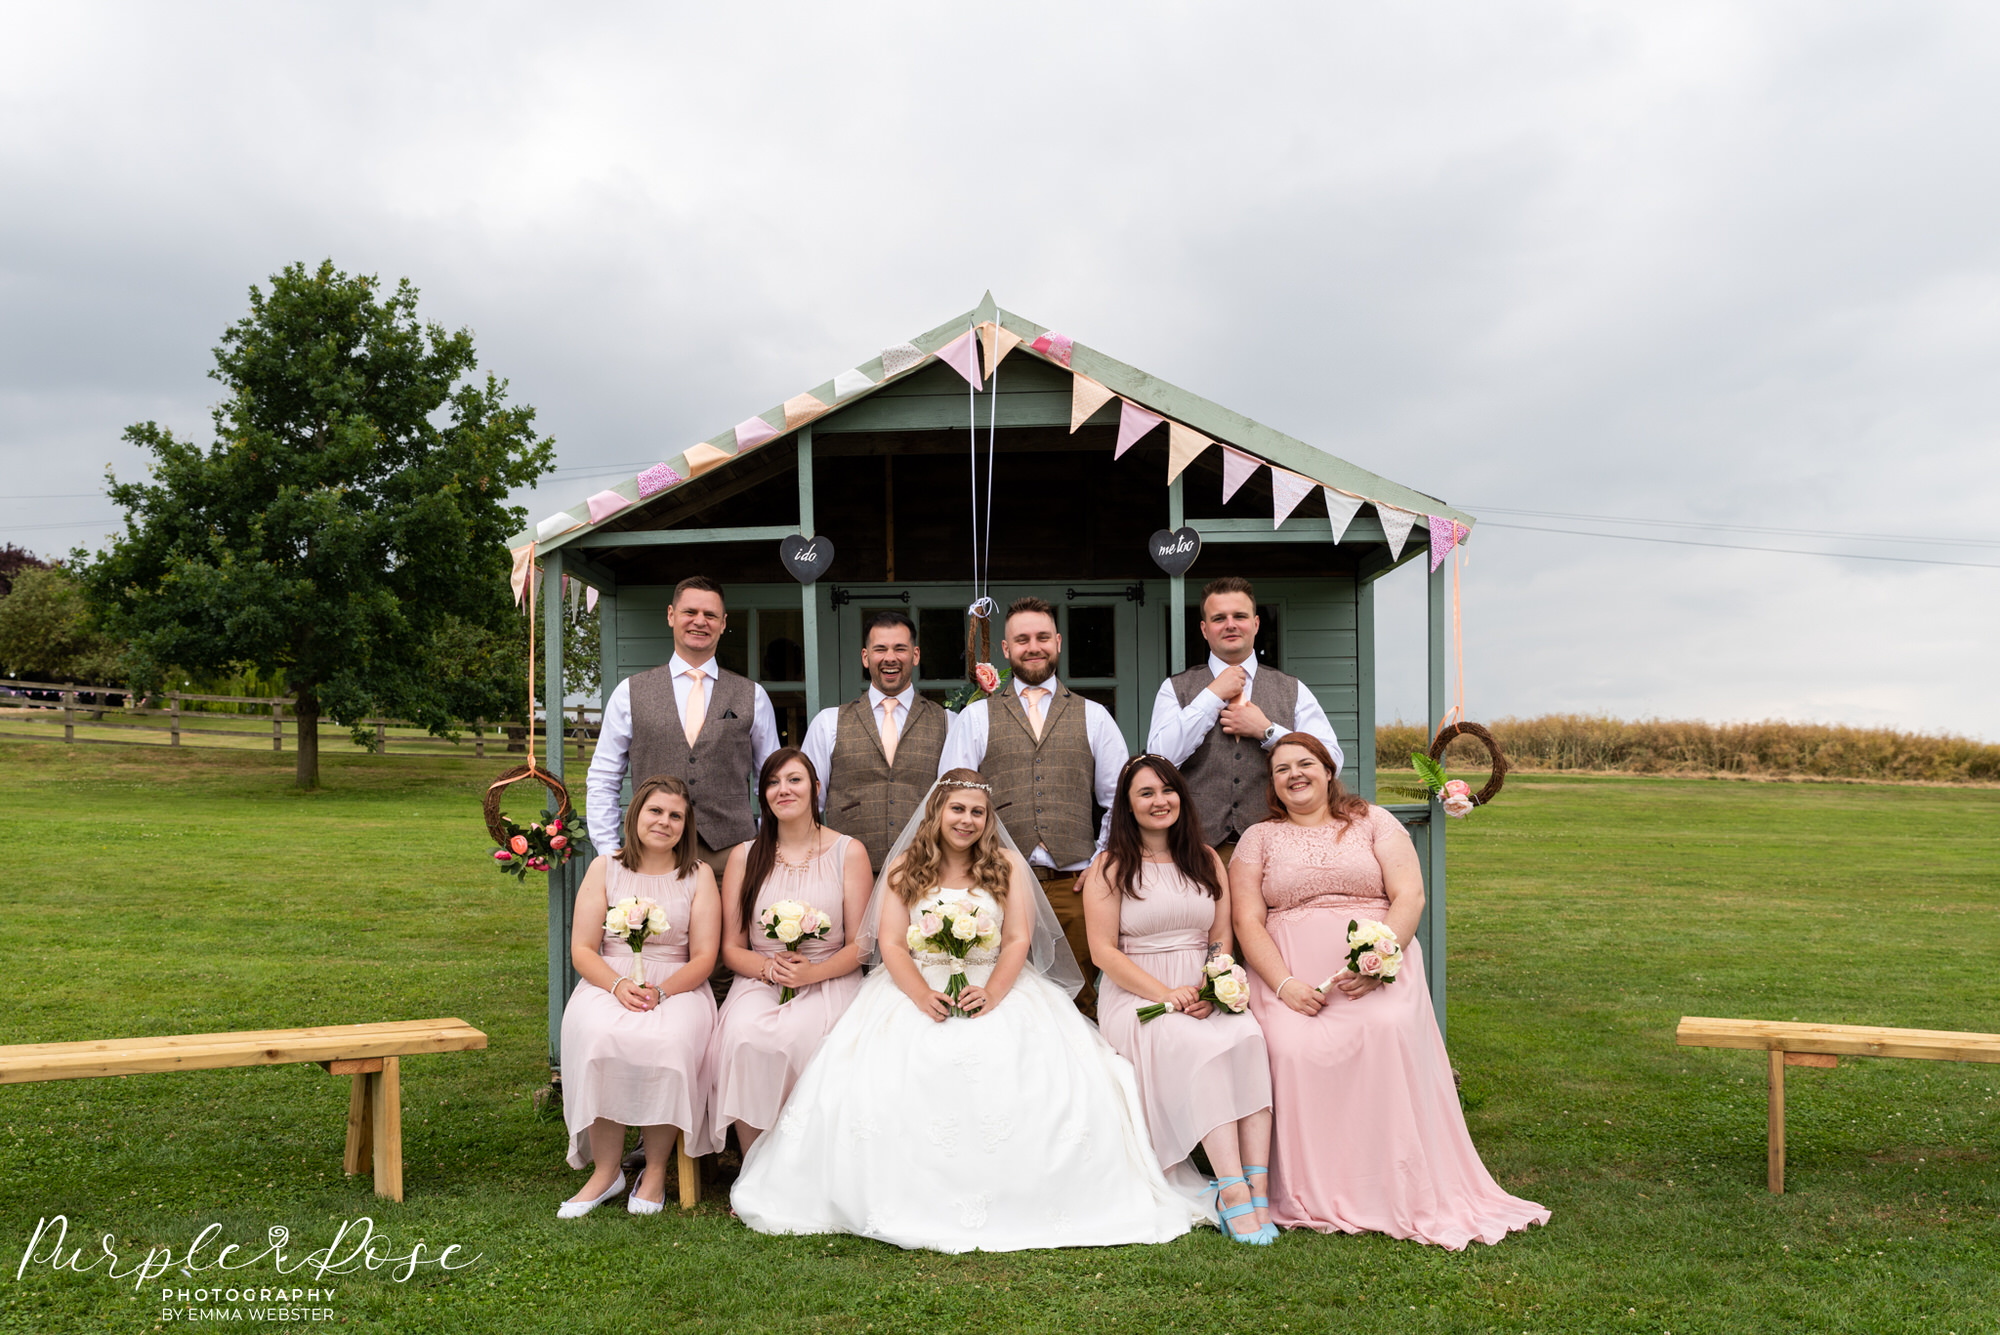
(790, 923)
(1372, 951)
(954, 929)
(635, 919)
(1224, 985)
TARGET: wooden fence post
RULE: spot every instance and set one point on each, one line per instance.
(381, 738)
(277, 725)
(174, 704)
(479, 738)
(69, 712)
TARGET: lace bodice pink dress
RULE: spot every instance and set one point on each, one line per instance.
(1194, 1075)
(1367, 1132)
(760, 1046)
(638, 1068)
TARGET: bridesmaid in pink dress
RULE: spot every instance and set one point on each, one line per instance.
(637, 1055)
(1157, 908)
(1369, 1135)
(761, 1045)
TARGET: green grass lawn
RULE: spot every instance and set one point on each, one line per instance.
(158, 893)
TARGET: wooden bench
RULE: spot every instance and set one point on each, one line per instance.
(1794, 1044)
(371, 1053)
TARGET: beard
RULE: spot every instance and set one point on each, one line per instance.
(1034, 674)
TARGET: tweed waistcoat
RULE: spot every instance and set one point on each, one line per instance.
(1043, 790)
(718, 769)
(868, 797)
(1226, 774)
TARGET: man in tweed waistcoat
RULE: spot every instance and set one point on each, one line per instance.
(1050, 755)
(877, 755)
(689, 718)
(1217, 722)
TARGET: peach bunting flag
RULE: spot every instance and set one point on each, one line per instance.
(998, 343)
(1184, 445)
(801, 408)
(1086, 398)
(702, 457)
(524, 560)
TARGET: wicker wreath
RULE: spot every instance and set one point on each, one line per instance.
(1499, 779)
(497, 827)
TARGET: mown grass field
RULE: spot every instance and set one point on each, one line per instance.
(159, 893)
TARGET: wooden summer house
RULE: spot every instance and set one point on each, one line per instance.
(879, 461)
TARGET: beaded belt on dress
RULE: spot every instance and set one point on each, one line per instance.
(1358, 907)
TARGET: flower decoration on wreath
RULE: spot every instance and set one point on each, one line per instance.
(1457, 794)
(540, 845)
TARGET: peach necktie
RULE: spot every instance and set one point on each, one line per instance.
(889, 728)
(697, 703)
(1033, 698)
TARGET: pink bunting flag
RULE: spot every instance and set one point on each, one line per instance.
(1445, 535)
(589, 598)
(1287, 490)
(962, 356)
(1054, 345)
(657, 479)
(752, 432)
(524, 560)
(1086, 397)
(604, 505)
(1133, 422)
(1236, 470)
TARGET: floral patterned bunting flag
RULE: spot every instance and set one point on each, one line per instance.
(1395, 527)
(657, 479)
(1054, 345)
(900, 358)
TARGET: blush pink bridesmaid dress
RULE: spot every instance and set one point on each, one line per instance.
(1367, 1133)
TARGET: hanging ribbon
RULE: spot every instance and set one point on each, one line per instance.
(979, 615)
(1456, 714)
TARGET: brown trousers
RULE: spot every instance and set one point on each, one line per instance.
(1068, 904)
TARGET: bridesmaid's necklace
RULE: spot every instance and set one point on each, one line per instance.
(779, 851)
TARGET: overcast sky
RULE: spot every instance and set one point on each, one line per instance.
(1720, 265)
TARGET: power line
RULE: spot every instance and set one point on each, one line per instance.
(1738, 547)
(1745, 528)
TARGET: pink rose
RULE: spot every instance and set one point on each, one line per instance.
(987, 677)
(1458, 808)
(560, 841)
(1237, 972)
(502, 855)
(1458, 788)
(1369, 965)
(536, 864)
(931, 924)
(519, 843)
(555, 827)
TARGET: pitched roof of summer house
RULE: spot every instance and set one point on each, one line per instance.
(1012, 333)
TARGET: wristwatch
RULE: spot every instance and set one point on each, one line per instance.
(1272, 734)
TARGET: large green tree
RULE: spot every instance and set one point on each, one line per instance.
(346, 528)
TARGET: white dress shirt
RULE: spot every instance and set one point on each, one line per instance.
(1176, 732)
(965, 748)
(606, 782)
(825, 730)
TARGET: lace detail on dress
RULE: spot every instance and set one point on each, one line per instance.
(972, 1209)
(944, 1134)
(860, 1129)
(791, 1122)
(1323, 866)
(993, 1130)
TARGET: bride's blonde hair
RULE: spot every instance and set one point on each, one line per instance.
(919, 870)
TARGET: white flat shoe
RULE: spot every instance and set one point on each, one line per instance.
(635, 1205)
(578, 1209)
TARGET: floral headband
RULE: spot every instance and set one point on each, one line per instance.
(963, 783)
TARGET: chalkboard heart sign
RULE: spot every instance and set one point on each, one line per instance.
(806, 560)
(1174, 550)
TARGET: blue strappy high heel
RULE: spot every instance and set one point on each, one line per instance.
(1251, 1170)
(1257, 1239)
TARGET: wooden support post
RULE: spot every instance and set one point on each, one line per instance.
(552, 663)
(174, 704)
(1176, 590)
(386, 1112)
(1433, 930)
(1362, 762)
(1774, 1150)
(69, 715)
(360, 1155)
(690, 1172)
(808, 596)
(277, 725)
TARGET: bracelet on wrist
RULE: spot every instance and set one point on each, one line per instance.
(1289, 978)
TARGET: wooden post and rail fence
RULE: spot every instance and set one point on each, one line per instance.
(60, 711)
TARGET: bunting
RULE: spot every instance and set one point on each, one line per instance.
(900, 358)
(1086, 397)
(589, 599)
(752, 432)
(1184, 446)
(701, 458)
(1395, 527)
(800, 409)
(851, 382)
(1133, 422)
(604, 505)
(962, 356)
(998, 343)
(524, 561)
(1287, 490)
(1236, 470)
(657, 479)
(1340, 508)
(562, 521)
(1445, 535)
(1054, 345)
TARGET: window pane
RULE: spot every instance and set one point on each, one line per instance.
(1104, 695)
(781, 639)
(732, 651)
(1092, 642)
(790, 707)
(941, 636)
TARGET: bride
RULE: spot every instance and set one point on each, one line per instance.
(995, 1121)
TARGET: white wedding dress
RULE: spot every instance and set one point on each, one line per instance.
(1015, 1129)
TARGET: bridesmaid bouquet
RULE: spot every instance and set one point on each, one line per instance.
(789, 923)
(954, 929)
(1224, 985)
(1372, 951)
(635, 919)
